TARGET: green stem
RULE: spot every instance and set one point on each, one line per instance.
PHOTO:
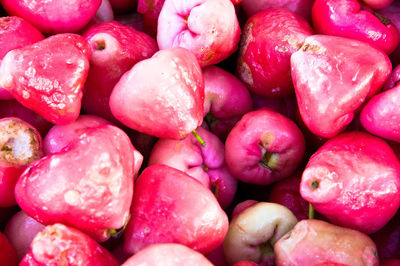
(310, 211)
(199, 139)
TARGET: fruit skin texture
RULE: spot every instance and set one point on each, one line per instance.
(59, 244)
(332, 77)
(54, 16)
(88, 185)
(269, 39)
(346, 18)
(48, 76)
(169, 254)
(354, 180)
(20, 230)
(15, 33)
(8, 256)
(264, 147)
(381, 114)
(165, 203)
(208, 28)
(315, 242)
(162, 96)
(20, 145)
(112, 55)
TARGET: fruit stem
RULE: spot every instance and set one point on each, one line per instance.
(310, 211)
(199, 139)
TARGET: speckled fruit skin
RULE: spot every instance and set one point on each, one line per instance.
(170, 254)
(161, 96)
(20, 145)
(315, 242)
(333, 76)
(269, 39)
(381, 114)
(205, 164)
(62, 245)
(15, 32)
(88, 185)
(54, 16)
(354, 180)
(169, 206)
(346, 18)
(48, 76)
(208, 28)
(113, 53)
(258, 134)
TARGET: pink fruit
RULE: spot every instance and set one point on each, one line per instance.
(20, 145)
(243, 206)
(205, 164)
(15, 32)
(20, 230)
(104, 13)
(62, 245)
(392, 13)
(269, 39)
(162, 96)
(354, 180)
(346, 18)
(301, 7)
(264, 147)
(8, 257)
(54, 16)
(381, 114)
(48, 76)
(150, 9)
(169, 254)
(88, 185)
(171, 207)
(112, 55)
(208, 28)
(333, 76)
(378, 4)
(394, 262)
(314, 242)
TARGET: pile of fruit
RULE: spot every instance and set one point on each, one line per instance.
(200, 132)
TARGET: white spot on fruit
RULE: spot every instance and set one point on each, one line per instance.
(72, 197)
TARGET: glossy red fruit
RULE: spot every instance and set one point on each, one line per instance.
(169, 206)
(62, 245)
(208, 28)
(162, 96)
(346, 18)
(169, 254)
(48, 76)
(54, 16)
(88, 185)
(333, 76)
(20, 145)
(8, 257)
(112, 55)
(264, 147)
(269, 39)
(354, 180)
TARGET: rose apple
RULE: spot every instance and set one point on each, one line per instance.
(104, 13)
(169, 254)
(8, 257)
(48, 76)
(54, 16)
(169, 206)
(332, 77)
(208, 28)
(264, 147)
(20, 145)
(378, 4)
(162, 96)
(346, 18)
(88, 184)
(112, 55)
(269, 38)
(354, 180)
(62, 245)
(314, 242)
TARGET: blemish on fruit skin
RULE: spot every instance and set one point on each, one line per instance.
(72, 197)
